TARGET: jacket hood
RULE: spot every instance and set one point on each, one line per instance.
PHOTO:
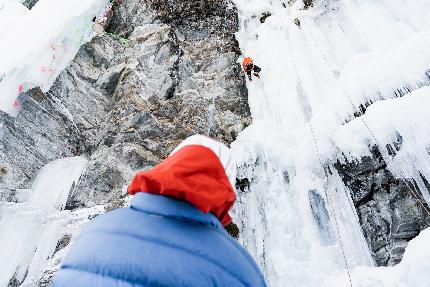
(193, 174)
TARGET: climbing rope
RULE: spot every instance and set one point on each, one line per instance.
(329, 201)
(332, 207)
(415, 192)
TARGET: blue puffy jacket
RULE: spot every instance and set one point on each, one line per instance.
(158, 241)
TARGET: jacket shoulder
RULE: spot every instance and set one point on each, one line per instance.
(135, 246)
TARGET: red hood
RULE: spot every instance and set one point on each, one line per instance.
(193, 174)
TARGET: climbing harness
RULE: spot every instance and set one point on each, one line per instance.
(415, 192)
(329, 201)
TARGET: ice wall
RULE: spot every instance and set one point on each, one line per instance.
(287, 223)
(320, 69)
(30, 230)
(37, 44)
(403, 121)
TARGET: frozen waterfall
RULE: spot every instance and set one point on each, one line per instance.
(320, 67)
(30, 230)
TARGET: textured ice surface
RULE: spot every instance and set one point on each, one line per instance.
(412, 271)
(37, 44)
(29, 231)
(404, 121)
(316, 78)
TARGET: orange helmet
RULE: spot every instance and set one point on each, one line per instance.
(245, 62)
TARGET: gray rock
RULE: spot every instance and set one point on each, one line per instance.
(63, 242)
(169, 79)
(166, 70)
(308, 3)
(30, 3)
(143, 97)
(390, 215)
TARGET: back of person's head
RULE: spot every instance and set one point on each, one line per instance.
(199, 171)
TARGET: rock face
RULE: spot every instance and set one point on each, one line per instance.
(165, 70)
(390, 214)
(172, 79)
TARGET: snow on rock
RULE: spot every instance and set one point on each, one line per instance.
(37, 44)
(403, 121)
(388, 72)
(11, 13)
(56, 179)
(412, 271)
(29, 231)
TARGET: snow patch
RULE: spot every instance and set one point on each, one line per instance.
(412, 271)
(402, 125)
(37, 44)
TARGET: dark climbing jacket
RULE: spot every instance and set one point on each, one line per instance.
(252, 68)
(249, 67)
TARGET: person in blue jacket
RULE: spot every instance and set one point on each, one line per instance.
(172, 234)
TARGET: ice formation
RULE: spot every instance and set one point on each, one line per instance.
(30, 230)
(412, 271)
(37, 44)
(400, 120)
(321, 69)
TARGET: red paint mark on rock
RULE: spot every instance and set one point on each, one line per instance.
(42, 69)
(20, 88)
(15, 104)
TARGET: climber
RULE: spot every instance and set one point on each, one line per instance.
(248, 67)
(172, 234)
